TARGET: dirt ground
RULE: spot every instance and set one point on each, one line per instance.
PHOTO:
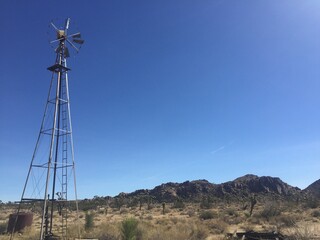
(189, 222)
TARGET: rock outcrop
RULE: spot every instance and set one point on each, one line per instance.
(244, 186)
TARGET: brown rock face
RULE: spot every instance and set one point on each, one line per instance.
(314, 189)
(241, 187)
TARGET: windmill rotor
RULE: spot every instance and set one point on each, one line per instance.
(63, 42)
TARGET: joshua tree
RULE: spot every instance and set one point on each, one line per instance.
(140, 204)
(149, 202)
(107, 205)
(253, 202)
(163, 207)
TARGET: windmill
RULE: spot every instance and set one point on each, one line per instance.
(52, 167)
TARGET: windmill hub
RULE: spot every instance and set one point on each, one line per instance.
(61, 34)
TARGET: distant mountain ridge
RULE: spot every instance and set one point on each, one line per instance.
(241, 187)
(314, 189)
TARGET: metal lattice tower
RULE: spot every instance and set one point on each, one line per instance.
(52, 167)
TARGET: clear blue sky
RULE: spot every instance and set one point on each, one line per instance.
(167, 91)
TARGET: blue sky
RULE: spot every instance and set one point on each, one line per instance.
(167, 91)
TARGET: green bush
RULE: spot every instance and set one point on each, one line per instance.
(89, 221)
(207, 215)
(129, 229)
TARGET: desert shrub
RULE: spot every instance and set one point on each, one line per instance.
(3, 227)
(231, 212)
(176, 233)
(178, 204)
(74, 230)
(254, 220)
(107, 237)
(149, 217)
(124, 211)
(206, 203)
(191, 213)
(89, 221)
(166, 211)
(311, 203)
(199, 232)
(218, 226)
(315, 213)
(129, 229)
(207, 215)
(118, 203)
(86, 205)
(29, 233)
(174, 220)
(107, 231)
(133, 203)
(246, 214)
(285, 221)
(303, 233)
(270, 210)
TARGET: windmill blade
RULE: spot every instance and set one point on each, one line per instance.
(72, 45)
(54, 26)
(66, 52)
(76, 35)
(79, 41)
(67, 24)
(53, 41)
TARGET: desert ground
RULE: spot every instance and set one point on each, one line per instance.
(187, 221)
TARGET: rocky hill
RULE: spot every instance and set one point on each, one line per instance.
(314, 189)
(244, 186)
(252, 184)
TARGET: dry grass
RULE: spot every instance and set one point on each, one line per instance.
(188, 224)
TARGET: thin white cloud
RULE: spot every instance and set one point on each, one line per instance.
(218, 149)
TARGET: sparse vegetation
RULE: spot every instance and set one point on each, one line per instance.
(191, 223)
(178, 204)
(129, 229)
(312, 203)
(205, 215)
(206, 203)
(145, 217)
(271, 209)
